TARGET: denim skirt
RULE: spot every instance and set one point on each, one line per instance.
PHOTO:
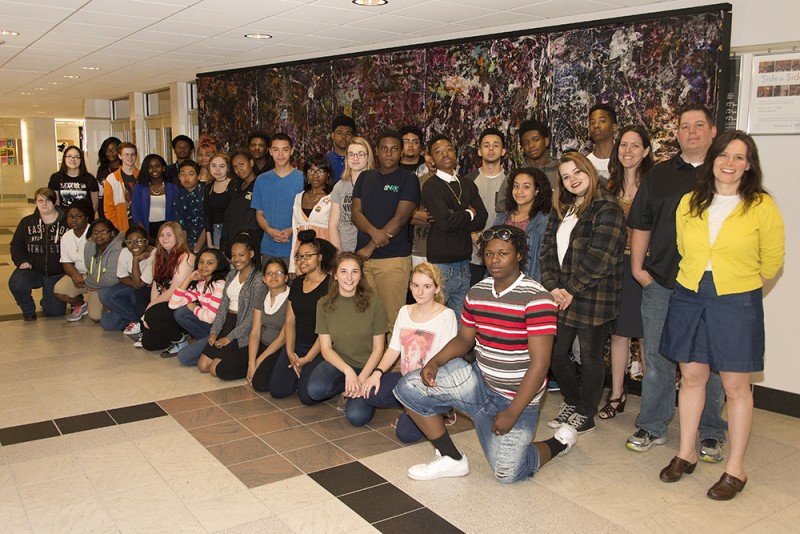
(725, 332)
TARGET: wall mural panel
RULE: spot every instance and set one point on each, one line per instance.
(646, 68)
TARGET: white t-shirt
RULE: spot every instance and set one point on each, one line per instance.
(234, 288)
(601, 165)
(718, 211)
(419, 342)
(488, 189)
(125, 266)
(158, 208)
(72, 249)
(563, 234)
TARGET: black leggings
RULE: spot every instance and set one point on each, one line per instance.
(162, 329)
(583, 392)
(263, 371)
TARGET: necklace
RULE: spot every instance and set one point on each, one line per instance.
(157, 191)
(460, 191)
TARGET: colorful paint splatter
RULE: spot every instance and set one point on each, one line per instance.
(645, 68)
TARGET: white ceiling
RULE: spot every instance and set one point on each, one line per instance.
(144, 45)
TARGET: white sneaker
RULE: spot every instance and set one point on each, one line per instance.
(132, 329)
(137, 345)
(567, 435)
(78, 312)
(442, 466)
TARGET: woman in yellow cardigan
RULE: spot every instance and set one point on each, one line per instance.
(731, 238)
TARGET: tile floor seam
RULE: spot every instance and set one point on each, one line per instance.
(421, 507)
(364, 488)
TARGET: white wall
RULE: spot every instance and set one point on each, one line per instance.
(12, 177)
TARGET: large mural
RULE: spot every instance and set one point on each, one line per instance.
(645, 68)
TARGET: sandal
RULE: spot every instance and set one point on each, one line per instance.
(608, 411)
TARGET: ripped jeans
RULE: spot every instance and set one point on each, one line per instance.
(460, 385)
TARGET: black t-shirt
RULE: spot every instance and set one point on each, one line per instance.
(654, 209)
(304, 306)
(412, 167)
(380, 194)
(71, 188)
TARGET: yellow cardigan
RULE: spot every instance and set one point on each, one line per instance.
(749, 246)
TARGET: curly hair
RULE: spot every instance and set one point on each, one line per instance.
(144, 174)
(363, 296)
(543, 200)
(432, 272)
(220, 272)
(517, 238)
(750, 187)
(324, 247)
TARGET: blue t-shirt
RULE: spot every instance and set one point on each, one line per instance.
(380, 194)
(337, 164)
(274, 196)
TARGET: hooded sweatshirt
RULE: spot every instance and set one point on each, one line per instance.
(38, 243)
(101, 271)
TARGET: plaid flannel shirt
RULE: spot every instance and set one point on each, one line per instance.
(592, 269)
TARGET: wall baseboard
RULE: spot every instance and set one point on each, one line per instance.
(775, 400)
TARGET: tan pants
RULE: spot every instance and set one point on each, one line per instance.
(66, 286)
(389, 279)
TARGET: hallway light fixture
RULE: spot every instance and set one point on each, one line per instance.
(70, 76)
(54, 83)
(9, 32)
(370, 2)
(258, 36)
(90, 68)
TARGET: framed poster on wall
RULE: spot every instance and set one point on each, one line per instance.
(775, 94)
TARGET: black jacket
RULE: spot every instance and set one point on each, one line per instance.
(39, 244)
(239, 216)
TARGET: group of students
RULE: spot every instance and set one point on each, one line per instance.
(529, 273)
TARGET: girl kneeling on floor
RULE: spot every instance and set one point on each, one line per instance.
(352, 325)
(421, 330)
(196, 302)
(231, 328)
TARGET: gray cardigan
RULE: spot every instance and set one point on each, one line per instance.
(252, 287)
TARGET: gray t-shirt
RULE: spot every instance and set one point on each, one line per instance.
(271, 320)
(342, 194)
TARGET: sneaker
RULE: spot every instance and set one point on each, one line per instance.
(567, 435)
(78, 312)
(176, 347)
(442, 466)
(133, 329)
(642, 440)
(31, 317)
(552, 385)
(711, 450)
(563, 416)
(138, 345)
(450, 418)
(581, 423)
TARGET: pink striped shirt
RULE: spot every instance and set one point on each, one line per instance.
(207, 301)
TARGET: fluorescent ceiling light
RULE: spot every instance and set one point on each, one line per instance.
(260, 36)
(370, 2)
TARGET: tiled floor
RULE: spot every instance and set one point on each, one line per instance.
(114, 439)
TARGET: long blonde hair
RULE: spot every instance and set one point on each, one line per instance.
(347, 173)
(432, 272)
(563, 200)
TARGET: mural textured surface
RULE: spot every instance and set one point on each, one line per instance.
(646, 69)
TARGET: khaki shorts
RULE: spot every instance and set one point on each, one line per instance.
(66, 286)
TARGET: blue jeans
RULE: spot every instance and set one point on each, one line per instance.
(283, 381)
(196, 328)
(360, 411)
(216, 234)
(326, 382)
(658, 383)
(125, 305)
(460, 385)
(23, 281)
(456, 284)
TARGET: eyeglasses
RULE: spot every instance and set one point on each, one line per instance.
(274, 274)
(357, 155)
(306, 256)
(72, 157)
(138, 241)
(503, 234)
(317, 172)
(100, 231)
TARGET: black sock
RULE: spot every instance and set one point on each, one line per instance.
(446, 447)
(555, 446)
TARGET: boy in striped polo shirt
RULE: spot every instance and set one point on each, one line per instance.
(510, 320)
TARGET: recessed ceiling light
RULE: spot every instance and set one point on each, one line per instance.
(91, 68)
(25, 93)
(54, 83)
(258, 36)
(70, 76)
(370, 2)
(34, 105)
(40, 88)
(8, 32)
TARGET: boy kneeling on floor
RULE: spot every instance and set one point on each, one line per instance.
(510, 320)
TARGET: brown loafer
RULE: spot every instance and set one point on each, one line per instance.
(726, 488)
(675, 470)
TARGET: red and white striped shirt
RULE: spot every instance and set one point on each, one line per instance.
(207, 301)
(503, 324)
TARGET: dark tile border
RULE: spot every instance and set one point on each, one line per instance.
(87, 421)
(28, 432)
(347, 478)
(380, 502)
(138, 412)
(422, 520)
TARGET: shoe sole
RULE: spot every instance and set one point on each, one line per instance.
(642, 448)
(711, 459)
(70, 319)
(587, 430)
(554, 424)
(448, 475)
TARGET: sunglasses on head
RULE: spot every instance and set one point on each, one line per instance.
(503, 234)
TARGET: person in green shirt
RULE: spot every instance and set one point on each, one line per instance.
(352, 326)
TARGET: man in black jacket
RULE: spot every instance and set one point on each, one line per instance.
(36, 251)
(457, 210)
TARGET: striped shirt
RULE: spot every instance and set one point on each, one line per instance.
(207, 301)
(503, 323)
